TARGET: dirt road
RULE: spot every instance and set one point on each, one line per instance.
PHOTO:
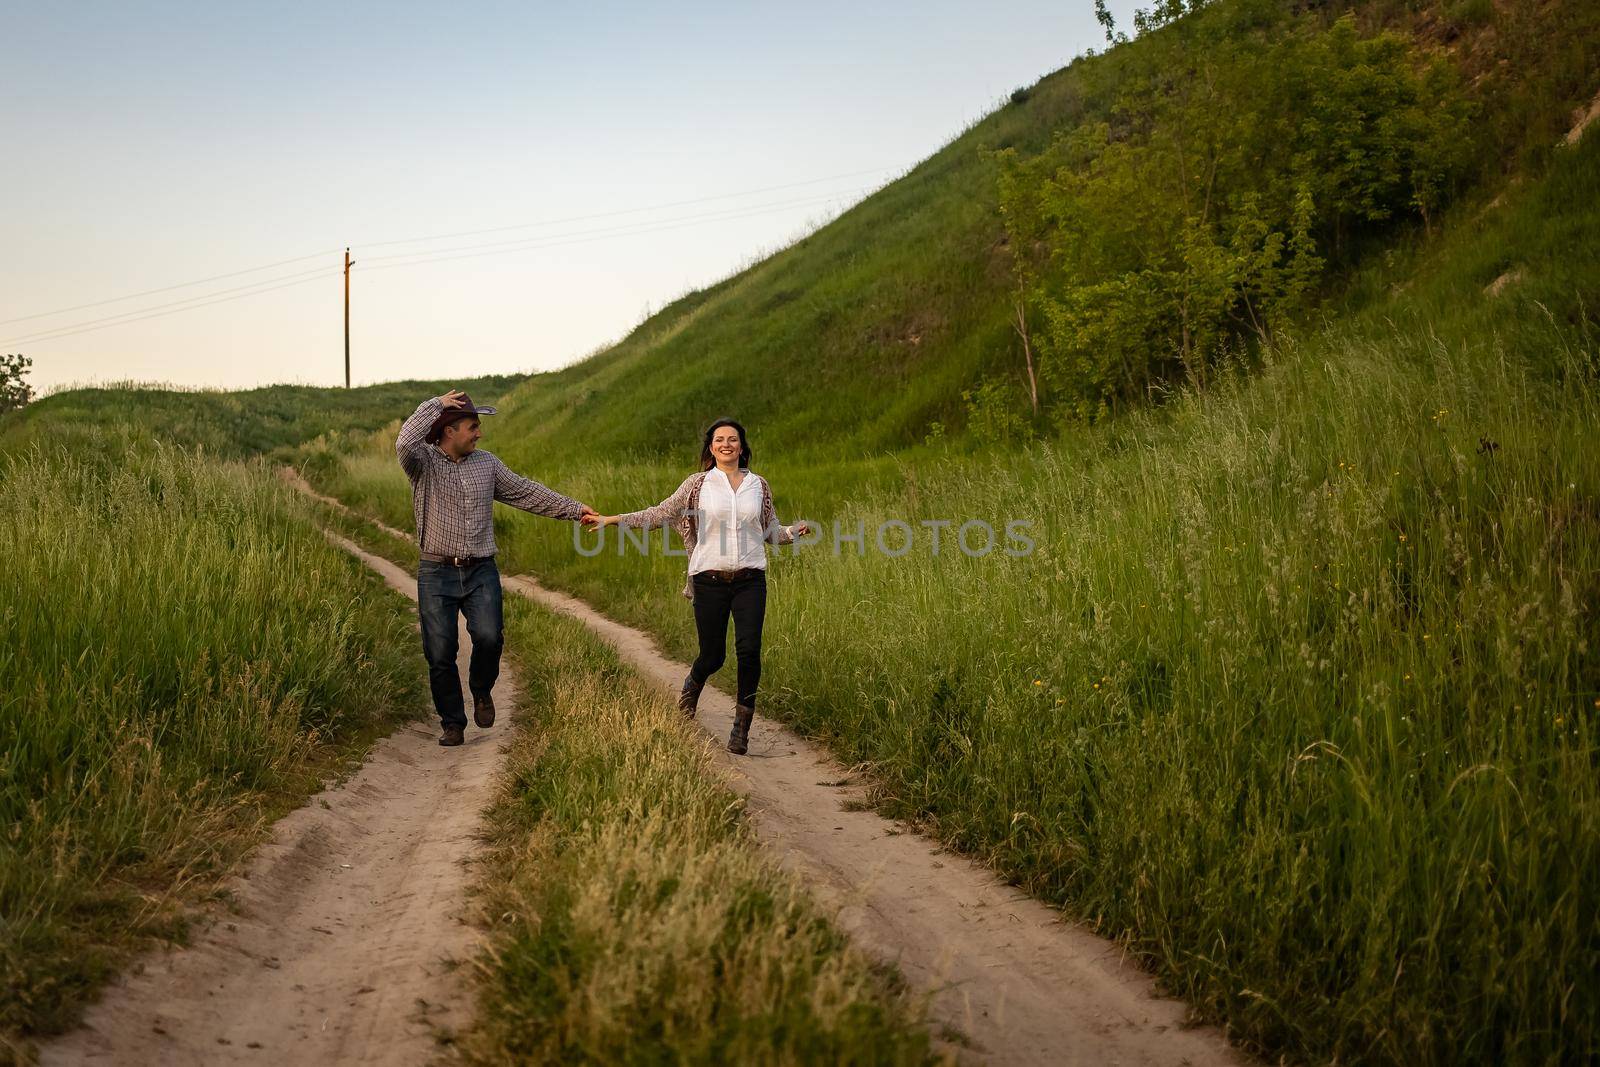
(337, 948)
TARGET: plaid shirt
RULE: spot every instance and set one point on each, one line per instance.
(454, 502)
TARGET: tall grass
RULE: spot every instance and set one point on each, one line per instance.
(1298, 692)
(178, 643)
(637, 920)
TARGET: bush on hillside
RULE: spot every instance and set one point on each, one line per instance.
(1233, 168)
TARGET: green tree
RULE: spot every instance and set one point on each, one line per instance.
(14, 388)
(1382, 132)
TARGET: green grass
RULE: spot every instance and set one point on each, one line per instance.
(182, 657)
(1298, 693)
(635, 918)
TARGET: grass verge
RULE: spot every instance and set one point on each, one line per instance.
(634, 917)
(183, 657)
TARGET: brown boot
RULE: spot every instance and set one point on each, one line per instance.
(483, 710)
(739, 738)
(453, 735)
(689, 696)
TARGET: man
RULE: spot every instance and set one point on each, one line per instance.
(454, 485)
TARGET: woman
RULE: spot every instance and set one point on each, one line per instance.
(725, 516)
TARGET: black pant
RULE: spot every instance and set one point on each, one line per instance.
(745, 598)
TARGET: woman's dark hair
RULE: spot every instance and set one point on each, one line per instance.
(706, 460)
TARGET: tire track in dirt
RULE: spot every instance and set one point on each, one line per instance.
(341, 944)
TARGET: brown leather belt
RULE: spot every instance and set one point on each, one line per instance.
(454, 561)
(729, 576)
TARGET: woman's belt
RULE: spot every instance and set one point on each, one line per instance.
(730, 576)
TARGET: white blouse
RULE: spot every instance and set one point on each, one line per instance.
(730, 534)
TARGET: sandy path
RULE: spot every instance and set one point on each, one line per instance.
(1023, 985)
(338, 948)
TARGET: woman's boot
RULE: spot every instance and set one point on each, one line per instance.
(739, 739)
(689, 696)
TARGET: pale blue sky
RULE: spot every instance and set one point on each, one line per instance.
(157, 143)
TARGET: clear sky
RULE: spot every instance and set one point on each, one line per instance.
(153, 144)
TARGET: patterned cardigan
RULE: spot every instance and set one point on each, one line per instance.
(679, 511)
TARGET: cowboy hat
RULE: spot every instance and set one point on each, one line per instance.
(466, 410)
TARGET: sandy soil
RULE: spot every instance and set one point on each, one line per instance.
(339, 944)
(1023, 985)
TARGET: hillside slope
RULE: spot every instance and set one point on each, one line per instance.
(863, 336)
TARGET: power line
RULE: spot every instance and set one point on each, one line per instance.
(77, 328)
(628, 211)
(179, 311)
(428, 256)
(560, 240)
(108, 320)
(166, 288)
(437, 237)
(607, 231)
(634, 232)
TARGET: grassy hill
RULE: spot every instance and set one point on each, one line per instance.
(863, 336)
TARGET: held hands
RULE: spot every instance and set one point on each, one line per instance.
(593, 520)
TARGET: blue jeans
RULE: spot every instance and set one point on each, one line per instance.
(442, 590)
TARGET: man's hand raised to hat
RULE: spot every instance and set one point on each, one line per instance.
(455, 398)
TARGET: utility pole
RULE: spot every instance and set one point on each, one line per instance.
(347, 264)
